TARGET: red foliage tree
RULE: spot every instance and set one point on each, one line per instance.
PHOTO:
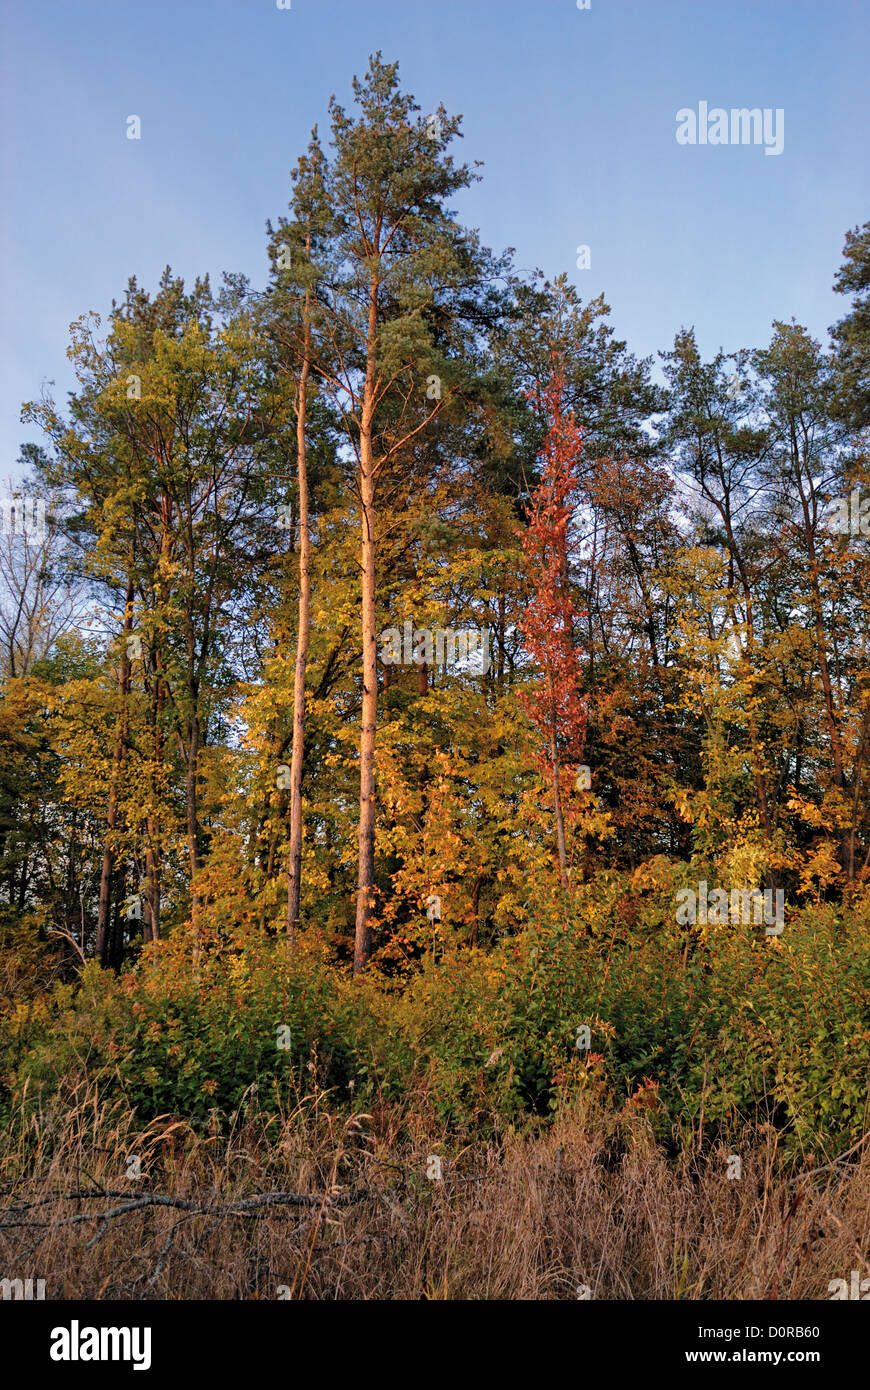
(556, 706)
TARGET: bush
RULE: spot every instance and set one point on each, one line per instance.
(703, 1028)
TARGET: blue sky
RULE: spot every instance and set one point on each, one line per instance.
(571, 111)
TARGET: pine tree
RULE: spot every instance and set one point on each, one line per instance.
(405, 293)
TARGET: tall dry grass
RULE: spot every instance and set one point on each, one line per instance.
(305, 1202)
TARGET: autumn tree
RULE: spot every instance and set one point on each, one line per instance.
(165, 451)
(557, 707)
(404, 291)
(717, 449)
(293, 320)
(807, 468)
(852, 334)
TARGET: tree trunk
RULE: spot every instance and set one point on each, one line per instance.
(153, 856)
(832, 717)
(557, 805)
(366, 876)
(191, 779)
(151, 923)
(115, 930)
(154, 852)
(294, 878)
(102, 941)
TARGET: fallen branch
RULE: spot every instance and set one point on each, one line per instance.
(242, 1206)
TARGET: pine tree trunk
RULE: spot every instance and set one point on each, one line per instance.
(366, 877)
(365, 883)
(294, 880)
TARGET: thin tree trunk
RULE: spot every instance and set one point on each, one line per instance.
(368, 727)
(153, 853)
(191, 779)
(756, 752)
(115, 931)
(560, 823)
(151, 924)
(294, 878)
(831, 713)
(102, 941)
(22, 889)
(856, 801)
(500, 630)
(475, 908)
(365, 882)
(557, 795)
(69, 890)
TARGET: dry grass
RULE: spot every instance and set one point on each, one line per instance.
(588, 1201)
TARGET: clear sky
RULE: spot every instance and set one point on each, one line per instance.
(573, 113)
